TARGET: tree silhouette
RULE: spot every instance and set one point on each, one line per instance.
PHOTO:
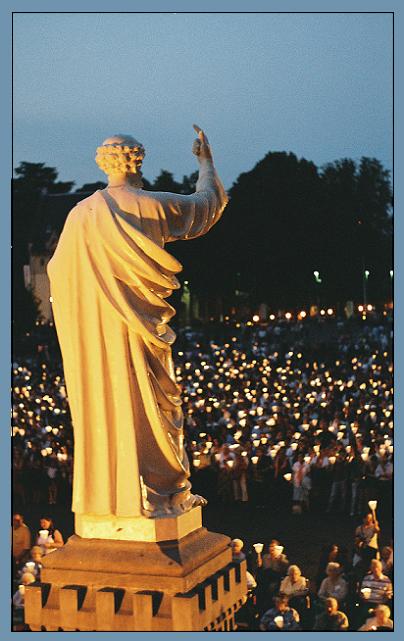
(285, 219)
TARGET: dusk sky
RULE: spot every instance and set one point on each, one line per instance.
(319, 85)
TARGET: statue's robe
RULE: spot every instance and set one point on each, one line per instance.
(110, 276)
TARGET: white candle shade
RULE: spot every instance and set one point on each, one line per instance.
(372, 505)
(258, 547)
(279, 621)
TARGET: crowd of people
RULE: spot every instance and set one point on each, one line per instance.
(27, 553)
(290, 413)
(346, 593)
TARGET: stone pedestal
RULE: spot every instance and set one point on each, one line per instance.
(188, 583)
(140, 529)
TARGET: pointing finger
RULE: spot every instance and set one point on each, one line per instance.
(201, 134)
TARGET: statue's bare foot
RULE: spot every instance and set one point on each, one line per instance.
(198, 500)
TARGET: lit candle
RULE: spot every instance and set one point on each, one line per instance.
(287, 476)
(258, 547)
(372, 505)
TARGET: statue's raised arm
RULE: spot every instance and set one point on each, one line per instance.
(187, 217)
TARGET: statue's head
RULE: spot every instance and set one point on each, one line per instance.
(120, 154)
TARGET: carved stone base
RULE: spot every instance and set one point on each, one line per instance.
(100, 585)
(138, 529)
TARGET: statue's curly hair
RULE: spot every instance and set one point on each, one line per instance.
(120, 158)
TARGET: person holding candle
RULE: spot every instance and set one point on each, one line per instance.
(240, 478)
(338, 492)
(376, 587)
(356, 473)
(301, 483)
(366, 540)
(49, 538)
(18, 601)
(34, 565)
(280, 618)
(271, 568)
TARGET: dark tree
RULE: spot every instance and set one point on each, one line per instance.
(165, 182)
(357, 201)
(91, 187)
(32, 182)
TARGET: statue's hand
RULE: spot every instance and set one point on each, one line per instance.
(201, 147)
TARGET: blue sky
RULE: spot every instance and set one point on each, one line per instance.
(319, 85)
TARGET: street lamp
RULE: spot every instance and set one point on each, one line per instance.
(318, 281)
(366, 274)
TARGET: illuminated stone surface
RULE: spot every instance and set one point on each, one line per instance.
(140, 528)
(190, 584)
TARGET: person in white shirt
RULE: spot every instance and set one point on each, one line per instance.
(333, 585)
(294, 584)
